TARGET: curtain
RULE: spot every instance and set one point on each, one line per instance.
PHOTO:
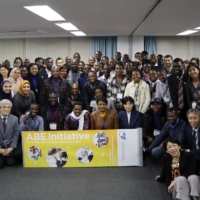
(150, 44)
(107, 46)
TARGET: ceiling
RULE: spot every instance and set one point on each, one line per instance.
(100, 18)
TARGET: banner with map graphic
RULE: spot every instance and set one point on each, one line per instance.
(88, 148)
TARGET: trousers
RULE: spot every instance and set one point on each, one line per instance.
(184, 188)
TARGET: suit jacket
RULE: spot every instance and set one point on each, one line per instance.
(173, 83)
(186, 164)
(11, 136)
(135, 120)
(188, 142)
(111, 120)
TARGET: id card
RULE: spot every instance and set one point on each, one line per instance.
(93, 104)
(53, 126)
(166, 99)
(156, 132)
(119, 95)
(137, 103)
(27, 112)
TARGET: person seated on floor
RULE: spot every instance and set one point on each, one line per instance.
(103, 118)
(153, 121)
(32, 122)
(193, 135)
(129, 117)
(10, 145)
(162, 88)
(178, 171)
(99, 93)
(78, 119)
(53, 113)
(23, 99)
(174, 127)
(196, 102)
(75, 96)
(89, 88)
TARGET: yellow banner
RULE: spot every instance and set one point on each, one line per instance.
(91, 148)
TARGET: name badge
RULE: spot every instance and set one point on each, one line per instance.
(156, 132)
(137, 103)
(119, 95)
(27, 112)
(93, 103)
(53, 126)
(166, 99)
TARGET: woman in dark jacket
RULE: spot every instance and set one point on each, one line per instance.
(34, 80)
(129, 117)
(179, 172)
(23, 99)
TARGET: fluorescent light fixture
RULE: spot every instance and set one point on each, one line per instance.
(78, 33)
(197, 27)
(67, 26)
(45, 12)
(187, 32)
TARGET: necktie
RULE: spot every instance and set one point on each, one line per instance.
(180, 94)
(194, 137)
(4, 124)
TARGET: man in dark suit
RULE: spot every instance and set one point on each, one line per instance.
(10, 147)
(192, 143)
(177, 90)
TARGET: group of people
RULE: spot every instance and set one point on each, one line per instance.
(159, 94)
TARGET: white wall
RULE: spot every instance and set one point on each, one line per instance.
(45, 47)
(182, 47)
(130, 45)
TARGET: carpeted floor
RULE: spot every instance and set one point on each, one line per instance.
(123, 183)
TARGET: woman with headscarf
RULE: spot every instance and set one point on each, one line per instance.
(6, 90)
(23, 99)
(14, 79)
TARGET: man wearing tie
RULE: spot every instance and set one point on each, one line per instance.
(10, 131)
(193, 135)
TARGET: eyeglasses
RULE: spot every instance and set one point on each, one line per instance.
(6, 107)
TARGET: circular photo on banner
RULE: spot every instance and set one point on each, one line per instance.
(34, 153)
(100, 139)
(56, 157)
(84, 155)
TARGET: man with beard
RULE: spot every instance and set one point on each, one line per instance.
(168, 60)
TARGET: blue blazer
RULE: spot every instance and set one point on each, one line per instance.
(188, 142)
(13, 131)
(135, 120)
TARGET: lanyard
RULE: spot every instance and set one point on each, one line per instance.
(92, 87)
(164, 89)
(52, 118)
(136, 92)
(56, 85)
(33, 127)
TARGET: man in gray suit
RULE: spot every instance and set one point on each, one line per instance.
(10, 147)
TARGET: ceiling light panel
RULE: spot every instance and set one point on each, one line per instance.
(197, 27)
(67, 26)
(78, 33)
(46, 12)
(187, 32)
